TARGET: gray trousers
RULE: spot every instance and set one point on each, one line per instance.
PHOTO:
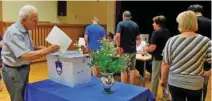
(156, 70)
(15, 80)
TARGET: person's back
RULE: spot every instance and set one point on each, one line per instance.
(126, 34)
(129, 32)
(93, 35)
(186, 65)
(204, 26)
(183, 59)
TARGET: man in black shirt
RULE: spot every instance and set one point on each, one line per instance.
(126, 35)
(204, 24)
(204, 28)
(158, 40)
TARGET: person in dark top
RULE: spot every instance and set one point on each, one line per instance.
(204, 24)
(157, 43)
(204, 28)
(126, 34)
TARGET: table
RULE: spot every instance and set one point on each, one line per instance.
(143, 57)
(47, 90)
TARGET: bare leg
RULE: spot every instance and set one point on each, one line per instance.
(95, 71)
(132, 76)
(124, 77)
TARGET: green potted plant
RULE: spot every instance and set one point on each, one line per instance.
(109, 61)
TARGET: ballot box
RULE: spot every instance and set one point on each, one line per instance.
(70, 68)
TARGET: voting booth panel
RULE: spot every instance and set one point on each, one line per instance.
(70, 68)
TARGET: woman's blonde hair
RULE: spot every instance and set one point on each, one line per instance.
(187, 21)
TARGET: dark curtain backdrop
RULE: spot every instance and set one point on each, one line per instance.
(144, 11)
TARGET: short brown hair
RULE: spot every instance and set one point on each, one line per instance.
(95, 19)
(127, 14)
(160, 20)
(187, 21)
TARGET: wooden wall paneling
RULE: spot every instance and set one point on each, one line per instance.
(37, 35)
(33, 37)
(44, 35)
(41, 36)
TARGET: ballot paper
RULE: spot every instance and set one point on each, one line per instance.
(81, 42)
(58, 37)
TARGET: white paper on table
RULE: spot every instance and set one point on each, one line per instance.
(81, 42)
(58, 37)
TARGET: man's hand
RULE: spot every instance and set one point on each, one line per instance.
(52, 49)
(163, 83)
(120, 51)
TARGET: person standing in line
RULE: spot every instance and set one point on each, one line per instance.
(157, 43)
(93, 35)
(183, 60)
(126, 35)
(204, 28)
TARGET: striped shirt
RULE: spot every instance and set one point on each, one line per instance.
(185, 56)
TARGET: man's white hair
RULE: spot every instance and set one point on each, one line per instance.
(26, 11)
